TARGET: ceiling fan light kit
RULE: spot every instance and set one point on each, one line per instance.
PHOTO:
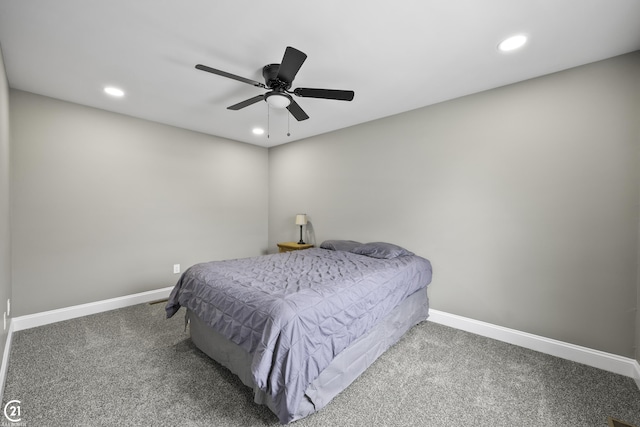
(278, 100)
(278, 79)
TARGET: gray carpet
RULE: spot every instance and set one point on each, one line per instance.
(134, 367)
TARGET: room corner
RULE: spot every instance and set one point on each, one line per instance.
(5, 233)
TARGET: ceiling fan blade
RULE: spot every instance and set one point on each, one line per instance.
(291, 63)
(341, 95)
(297, 112)
(229, 75)
(246, 103)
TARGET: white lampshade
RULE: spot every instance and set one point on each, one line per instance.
(278, 101)
(301, 219)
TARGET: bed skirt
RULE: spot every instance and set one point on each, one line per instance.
(341, 372)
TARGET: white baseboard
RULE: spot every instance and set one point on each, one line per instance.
(636, 373)
(587, 356)
(52, 316)
(5, 359)
(598, 359)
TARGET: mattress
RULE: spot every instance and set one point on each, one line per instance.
(340, 373)
(295, 312)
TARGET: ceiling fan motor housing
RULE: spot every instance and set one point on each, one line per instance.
(270, 74)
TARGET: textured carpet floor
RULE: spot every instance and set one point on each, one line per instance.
(134, 367)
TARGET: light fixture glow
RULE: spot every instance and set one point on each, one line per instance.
(278, 101)
(258, 131)
(114, 91)
(512, 43)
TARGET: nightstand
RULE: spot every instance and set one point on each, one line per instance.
(292, 246)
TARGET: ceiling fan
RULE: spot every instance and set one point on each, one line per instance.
(278, 79)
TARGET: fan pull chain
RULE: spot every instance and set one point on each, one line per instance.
(269, 123)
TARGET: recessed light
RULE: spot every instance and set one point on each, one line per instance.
(512, 43)
(114, 91)
(258, 131)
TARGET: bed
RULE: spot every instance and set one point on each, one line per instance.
(298, 327)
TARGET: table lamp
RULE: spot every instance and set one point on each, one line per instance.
(301, 219)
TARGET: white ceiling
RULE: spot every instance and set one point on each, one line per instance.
(396, 55)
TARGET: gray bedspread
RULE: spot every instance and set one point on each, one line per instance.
(295, 311)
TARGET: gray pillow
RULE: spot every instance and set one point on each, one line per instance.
(381, 250)
(339, 245)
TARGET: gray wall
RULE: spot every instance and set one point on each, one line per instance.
(105, 204)
(525, 199)
(5, 228)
